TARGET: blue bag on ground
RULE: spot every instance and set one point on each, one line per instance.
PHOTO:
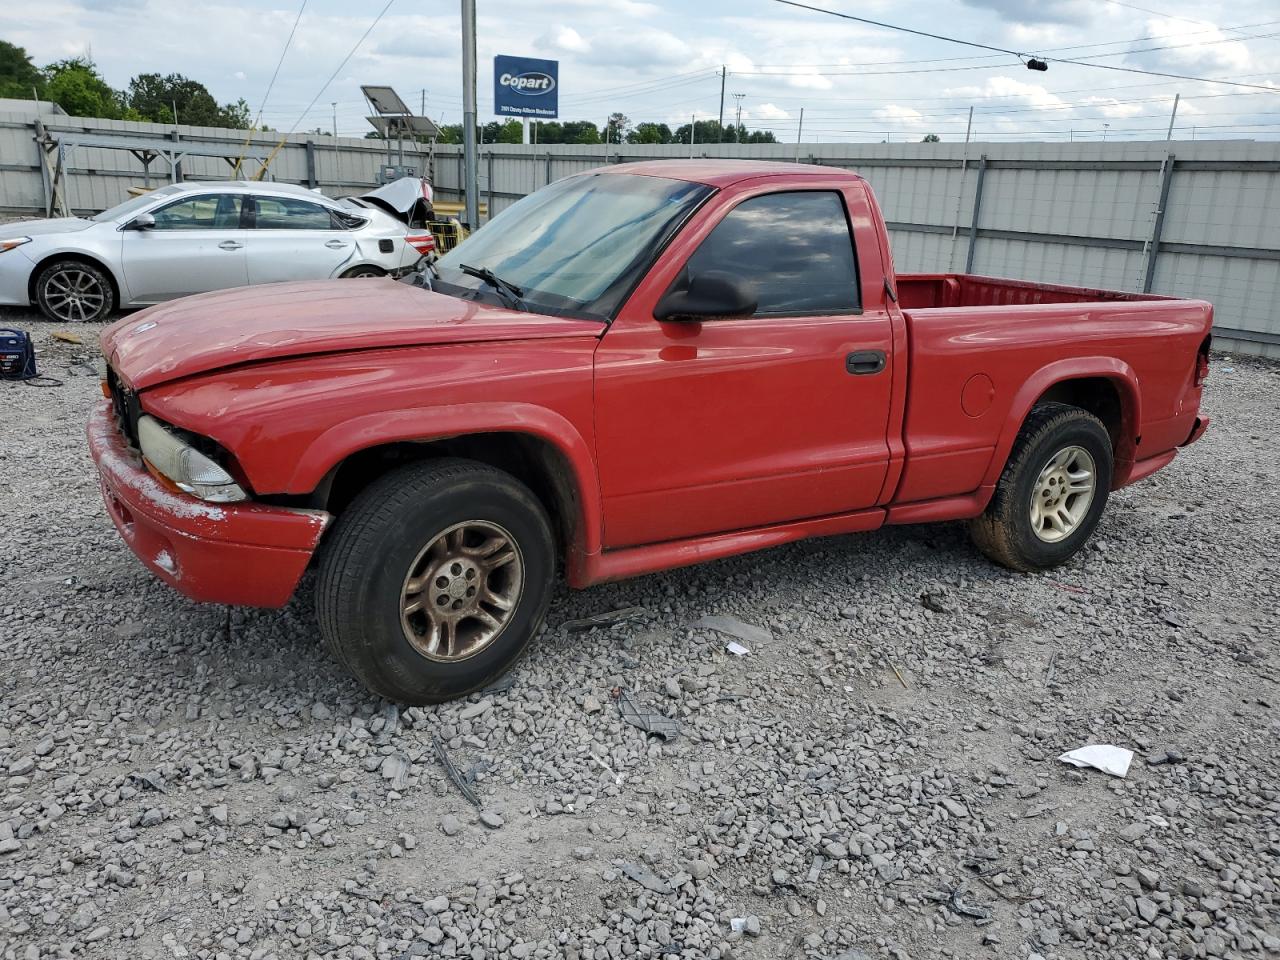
(17, 355)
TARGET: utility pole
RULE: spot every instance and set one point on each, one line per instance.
(471, 185)
(1173, 116)
(693, 127)
(724, 72)
(1105, 128)
(334, 104)
(969, 128)
(799, 130)
(737, 129)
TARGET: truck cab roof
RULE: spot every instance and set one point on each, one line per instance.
(725, 173)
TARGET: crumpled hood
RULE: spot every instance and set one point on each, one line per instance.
(249, 324)
(41, 228)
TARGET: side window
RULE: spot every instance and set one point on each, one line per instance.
(213, 212)
(795, 248)
(286, 213)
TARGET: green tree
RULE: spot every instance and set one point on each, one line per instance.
(931, 138)
(75, 85)
(706, 131)
(18, 75)
(649, 133)
(154, 97)
(617, 127)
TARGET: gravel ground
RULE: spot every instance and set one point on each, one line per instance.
(878, 778)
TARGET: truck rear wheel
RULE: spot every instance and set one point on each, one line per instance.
(1052, 491)
(434, 580)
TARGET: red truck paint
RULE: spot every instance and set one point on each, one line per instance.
(682, 442)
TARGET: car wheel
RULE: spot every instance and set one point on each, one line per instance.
(364, 273)
(1052, 491)
(434, 579)
(72, 291)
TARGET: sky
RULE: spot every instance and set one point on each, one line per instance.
(661, 60)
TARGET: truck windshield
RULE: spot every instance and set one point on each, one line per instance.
(576, 247)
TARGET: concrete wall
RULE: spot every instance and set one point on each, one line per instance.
(1075, 213)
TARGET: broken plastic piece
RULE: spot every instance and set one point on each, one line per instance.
(735, 628)
(1101, 756)
(608, 619)
(737, 649)
(647, 879)
(650, 721)
(737, 924)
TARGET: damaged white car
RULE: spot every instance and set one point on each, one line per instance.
(195, 237)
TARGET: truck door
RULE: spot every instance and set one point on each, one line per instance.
(712, 426)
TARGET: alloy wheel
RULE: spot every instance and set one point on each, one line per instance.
(461, 591)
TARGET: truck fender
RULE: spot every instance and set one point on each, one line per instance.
(419, 424)
(1074, 368)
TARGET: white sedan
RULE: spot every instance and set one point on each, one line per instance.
(194, 237)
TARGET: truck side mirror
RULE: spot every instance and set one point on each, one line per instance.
(712, 295)
(143, 221)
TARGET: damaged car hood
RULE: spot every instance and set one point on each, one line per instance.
(251, 324)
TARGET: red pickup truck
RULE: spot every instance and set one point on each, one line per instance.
(638, 368)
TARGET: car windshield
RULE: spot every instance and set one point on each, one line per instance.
(576, 247)
(133, 204)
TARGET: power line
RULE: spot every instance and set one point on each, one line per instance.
(1020, 55)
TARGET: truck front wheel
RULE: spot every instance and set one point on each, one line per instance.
(434, 580)
(1052, 491)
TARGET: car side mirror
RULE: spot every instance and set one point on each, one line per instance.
(712, 295)
(143, 221)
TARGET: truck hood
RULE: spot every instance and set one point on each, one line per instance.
(250, 324)
(42, 228)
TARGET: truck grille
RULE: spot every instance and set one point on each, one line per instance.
(127, 409)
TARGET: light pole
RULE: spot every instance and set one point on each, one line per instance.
(334, 104)
(470, 185)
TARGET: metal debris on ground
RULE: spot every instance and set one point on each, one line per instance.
(1100, 756)
(899, 676)
(148, 781)
(951, 897)
(646, 878)
(608, 619)
(650, 721)
(734, 627)
(737, 649)
(458, 780)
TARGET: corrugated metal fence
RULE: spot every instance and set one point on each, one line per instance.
(1196, 219)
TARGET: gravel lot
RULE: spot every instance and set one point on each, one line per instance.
(878, 778)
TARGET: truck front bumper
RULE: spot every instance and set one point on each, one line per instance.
(244, 553)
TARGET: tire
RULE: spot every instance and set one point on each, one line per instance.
(73, 291)
(402, 532)
(1014, 535)
(364, 273)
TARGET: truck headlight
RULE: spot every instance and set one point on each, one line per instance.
(187, 467)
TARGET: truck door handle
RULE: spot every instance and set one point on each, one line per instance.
(230, 245)
(865, 361)
(335, 244)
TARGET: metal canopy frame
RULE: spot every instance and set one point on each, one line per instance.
(61, 145)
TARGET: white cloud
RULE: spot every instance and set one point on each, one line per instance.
(564, 39)
(767, 111)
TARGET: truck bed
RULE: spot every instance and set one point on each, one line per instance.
(925, 291)
(979, 348)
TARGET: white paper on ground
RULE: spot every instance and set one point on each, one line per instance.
(737, 649)
(1101, 756)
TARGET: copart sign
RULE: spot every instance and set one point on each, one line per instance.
(526, 87)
